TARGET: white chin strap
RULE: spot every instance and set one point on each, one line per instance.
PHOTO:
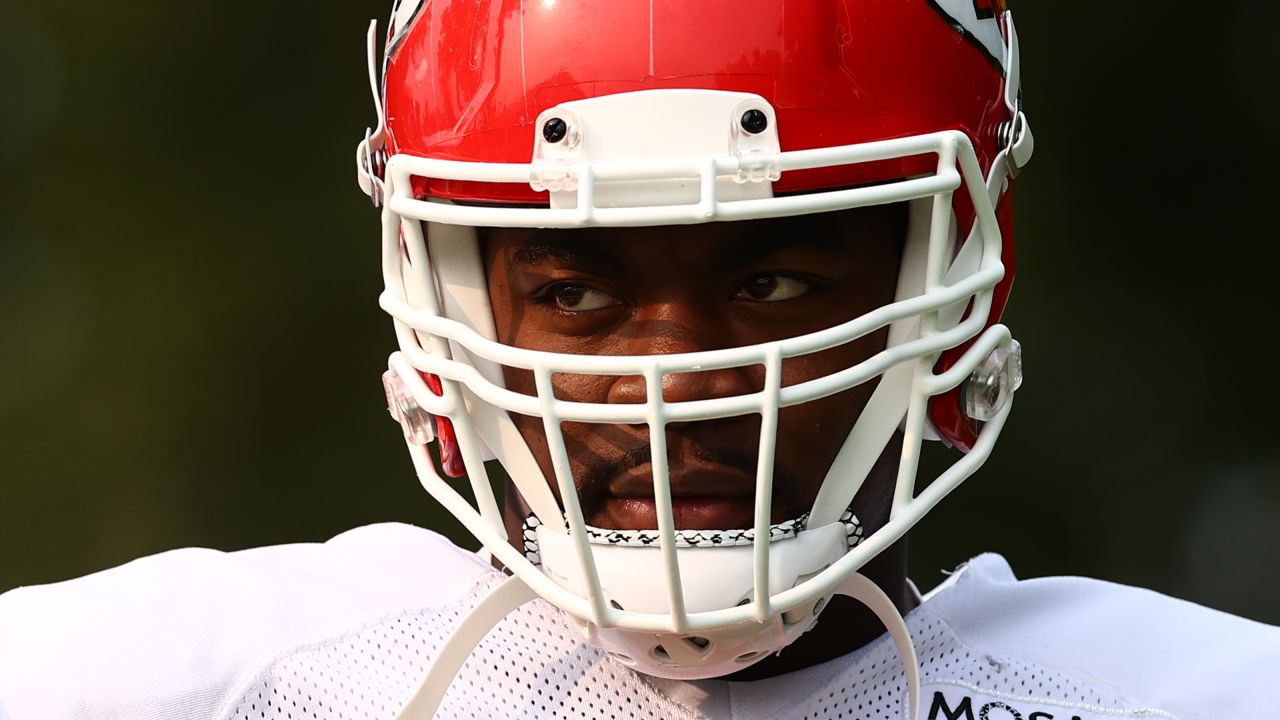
(514, 593)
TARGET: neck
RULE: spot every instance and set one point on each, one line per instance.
(846, 624)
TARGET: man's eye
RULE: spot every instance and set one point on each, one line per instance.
(772, 288)
(579, 298)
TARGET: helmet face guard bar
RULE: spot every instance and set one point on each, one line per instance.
(947, 145)
(454, 350)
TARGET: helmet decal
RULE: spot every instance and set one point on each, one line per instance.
(403, 13)
(979, 22)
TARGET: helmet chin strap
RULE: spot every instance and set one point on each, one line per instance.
(513, 593)
(858, 587)
(490, 611)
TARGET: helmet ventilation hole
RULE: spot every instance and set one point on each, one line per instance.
(660, 654)
(748, 657)
(698, 642)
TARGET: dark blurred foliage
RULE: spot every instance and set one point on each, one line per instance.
(190, 342)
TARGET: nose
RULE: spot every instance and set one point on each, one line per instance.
(673, 328)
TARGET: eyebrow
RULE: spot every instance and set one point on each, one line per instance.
(584, 252)
(589, 252)
(758, 246)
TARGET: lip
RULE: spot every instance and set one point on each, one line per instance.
(690, 513)
(687, 480)
(703, 497)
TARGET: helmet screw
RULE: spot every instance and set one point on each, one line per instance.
(754, 121)
(554, 130)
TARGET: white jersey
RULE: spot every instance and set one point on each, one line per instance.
(345, 629)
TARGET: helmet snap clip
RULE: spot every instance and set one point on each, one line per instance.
(993, 382)
(414, 420)
(753, 140)
(557, 151)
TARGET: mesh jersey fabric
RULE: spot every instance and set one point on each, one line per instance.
(345, 630)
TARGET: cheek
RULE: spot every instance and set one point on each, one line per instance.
(572, 387)
(585, 442)
(810, 435)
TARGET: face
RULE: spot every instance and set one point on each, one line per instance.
(679, 289)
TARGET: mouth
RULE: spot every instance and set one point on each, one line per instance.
(703, 497)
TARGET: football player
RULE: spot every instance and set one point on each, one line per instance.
(680, 292)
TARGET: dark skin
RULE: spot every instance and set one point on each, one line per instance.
(679, 289)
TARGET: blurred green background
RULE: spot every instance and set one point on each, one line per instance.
(190, 343)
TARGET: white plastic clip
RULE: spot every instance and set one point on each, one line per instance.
(417, 424)
(993, 382)
(753, 140)
(557, 151)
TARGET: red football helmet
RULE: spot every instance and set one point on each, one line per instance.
(574, 113)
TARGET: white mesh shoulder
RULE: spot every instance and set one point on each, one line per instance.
(179, 634)
(1138, 647)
